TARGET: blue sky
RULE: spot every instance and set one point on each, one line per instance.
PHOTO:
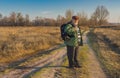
(52, 8)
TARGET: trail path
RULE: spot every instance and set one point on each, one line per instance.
(56, 59)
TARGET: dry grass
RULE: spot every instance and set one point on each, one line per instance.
(106, 43)
(111, 34)
(19, 42)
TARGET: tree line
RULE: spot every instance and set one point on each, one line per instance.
(98, 17)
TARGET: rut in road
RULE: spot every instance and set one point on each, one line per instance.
(24, 71)
(93, 66)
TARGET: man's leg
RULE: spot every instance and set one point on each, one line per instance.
(76, 63)
(70, 51)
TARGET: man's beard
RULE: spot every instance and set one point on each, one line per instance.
(75, 24)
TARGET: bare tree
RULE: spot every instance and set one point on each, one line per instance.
(0, 16)
(37, 21)
(100, 15)
(69, 13)
(5, 21)
(13, 18)
(20, 19)
(93, 20)
(59, 20)
(0, 19)
(27, 20)
(83, 18)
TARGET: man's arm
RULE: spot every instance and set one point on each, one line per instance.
(70, 30)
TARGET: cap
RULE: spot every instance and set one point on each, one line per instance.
(75, 17)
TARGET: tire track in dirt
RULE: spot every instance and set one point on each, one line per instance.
(51, 69)
(24, 71)
(94, 67)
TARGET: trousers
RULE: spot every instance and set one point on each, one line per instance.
(72, 53)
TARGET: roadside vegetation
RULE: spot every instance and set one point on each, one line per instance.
(106, 44)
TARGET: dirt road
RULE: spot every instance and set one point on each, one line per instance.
(52, 63)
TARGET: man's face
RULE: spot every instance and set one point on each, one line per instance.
(75, 22)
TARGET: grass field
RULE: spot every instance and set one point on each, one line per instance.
(106, 43)
(19, 42)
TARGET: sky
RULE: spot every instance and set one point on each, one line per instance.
(52, 8)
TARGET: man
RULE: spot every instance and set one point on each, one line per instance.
(72, 42)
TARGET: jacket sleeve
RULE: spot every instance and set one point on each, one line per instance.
(70, 30)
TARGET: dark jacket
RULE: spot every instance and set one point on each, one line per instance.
(73, 41)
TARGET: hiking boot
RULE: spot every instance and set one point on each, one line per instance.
(77, 66)
(70, 66)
